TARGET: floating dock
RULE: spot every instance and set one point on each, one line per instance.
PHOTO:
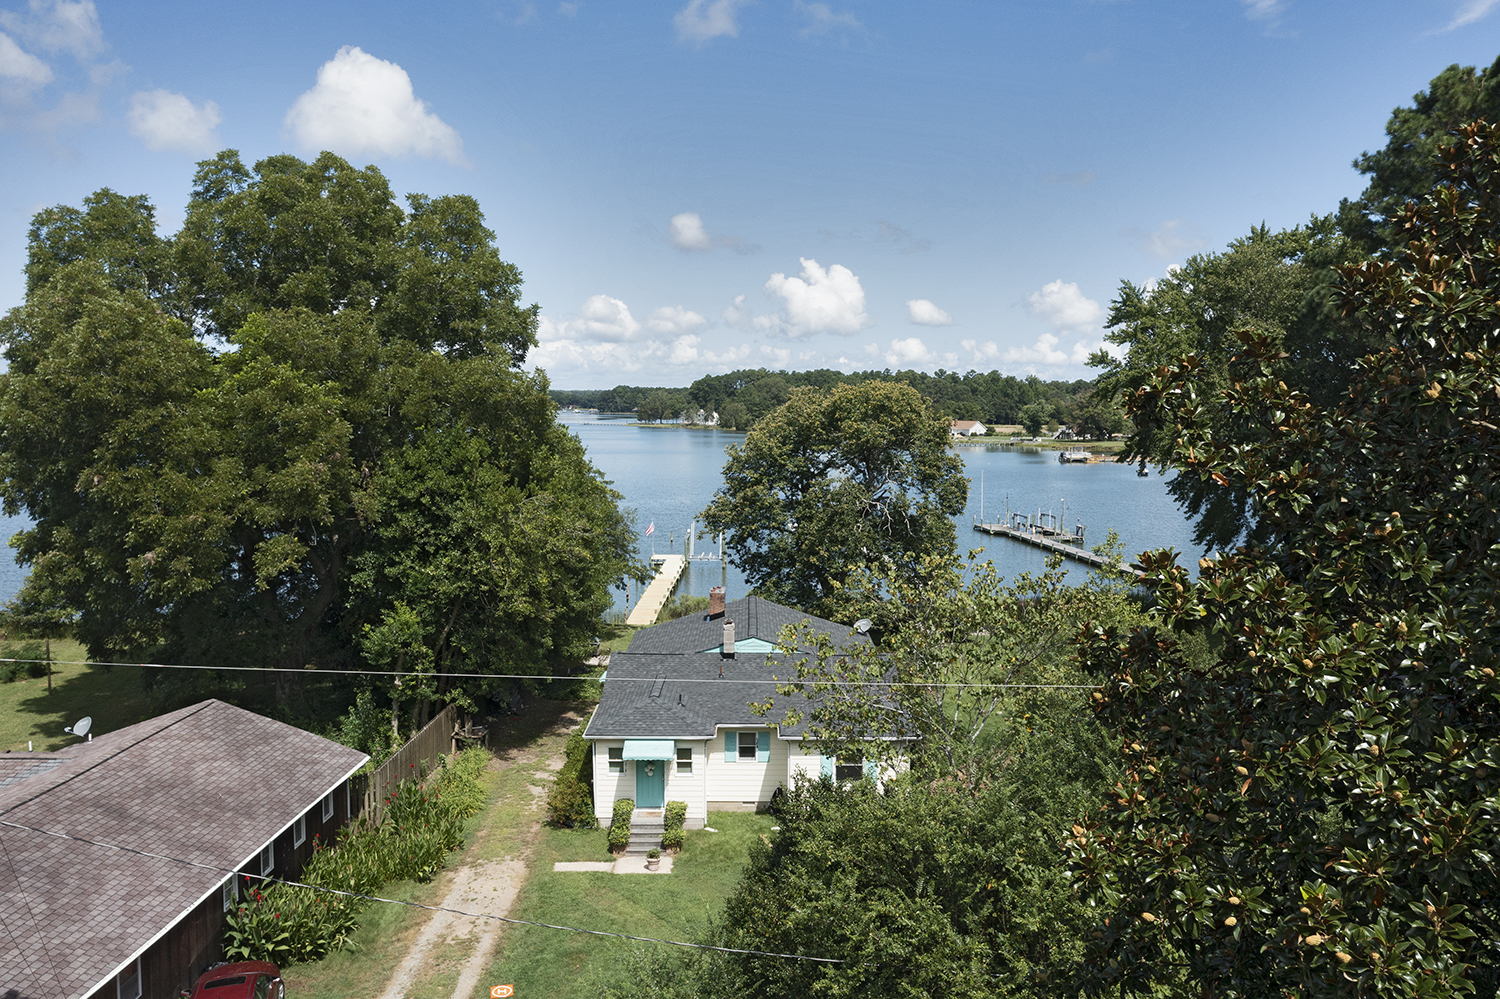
(669, 571)
(1040, 540)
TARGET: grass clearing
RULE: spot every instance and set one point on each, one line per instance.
(678, 906)
(114, 696)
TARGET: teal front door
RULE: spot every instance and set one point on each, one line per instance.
(650, 783)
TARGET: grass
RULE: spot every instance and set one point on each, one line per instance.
(386, 932)
(677, 906)
(113, 696)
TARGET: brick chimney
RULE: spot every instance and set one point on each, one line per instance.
(715, 603)
(727, 651)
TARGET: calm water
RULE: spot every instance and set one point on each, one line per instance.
(667, 476)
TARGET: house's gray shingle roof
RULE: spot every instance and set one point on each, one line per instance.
(753, 617)
(210, 783)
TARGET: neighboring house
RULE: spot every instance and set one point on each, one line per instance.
(659, 734)
(966, 428)
(210, 784)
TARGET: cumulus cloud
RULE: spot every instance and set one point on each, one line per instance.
(908, 351)
(70, 26)
(366, 106)
(164, 120)
(1062, 305)
(1470, 12)
(687, 232)
(19, 67)
(704, 20)
(821, 19)
(675, 319)
(820, 300)
(925, 312)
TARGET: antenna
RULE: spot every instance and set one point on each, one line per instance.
(81, 727)
(863, 626)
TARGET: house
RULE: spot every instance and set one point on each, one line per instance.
(966, 428)
(674, 721)
(120, 855)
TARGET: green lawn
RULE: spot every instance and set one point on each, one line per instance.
(677, 906)
(113, 696)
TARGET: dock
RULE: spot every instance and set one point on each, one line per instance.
(669, 571)
(1038, 539)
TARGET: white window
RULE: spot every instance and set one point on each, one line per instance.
(747, 746)
(230, 893)
(268, 858)
(299, 831)
(128, 984)
(616, 759)
(685, 760)
(328, 807)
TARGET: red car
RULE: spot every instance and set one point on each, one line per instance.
(244, 980)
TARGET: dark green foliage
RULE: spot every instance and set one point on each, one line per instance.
(672, 825)
(836, 480)
(619, 825)
(682, 605)
(1311, 811)
(34, 651)
(570, 803)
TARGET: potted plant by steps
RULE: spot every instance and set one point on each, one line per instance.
(653, 859)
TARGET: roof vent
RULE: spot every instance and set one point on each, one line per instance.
(656, 687)
(727, 649)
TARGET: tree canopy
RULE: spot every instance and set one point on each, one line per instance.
(271, 438)
(831, 481)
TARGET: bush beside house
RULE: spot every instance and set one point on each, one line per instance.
(676, 816)
(570, 803)
(619, 824)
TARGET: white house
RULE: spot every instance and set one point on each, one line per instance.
(966, 428)
(662, 734)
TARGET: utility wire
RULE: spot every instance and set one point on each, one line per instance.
(416, 905)
(601, 679)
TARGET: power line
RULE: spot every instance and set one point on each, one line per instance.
(600, 679)
(417, 905)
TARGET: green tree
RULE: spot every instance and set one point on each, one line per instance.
(365, 454)
(832, 481)
(1033, 415)
(734, 416)
(1311, 811)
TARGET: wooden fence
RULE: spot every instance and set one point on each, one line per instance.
(415, 758)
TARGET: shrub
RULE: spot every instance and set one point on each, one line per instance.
(619, 824)
(570, 803)
(672, 823)
(26, 670)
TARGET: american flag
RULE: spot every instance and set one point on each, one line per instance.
(650, 529)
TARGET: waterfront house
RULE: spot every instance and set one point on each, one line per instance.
(122, 855)
(966, 428)
(674, 721)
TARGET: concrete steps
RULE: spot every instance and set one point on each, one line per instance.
(646, 830)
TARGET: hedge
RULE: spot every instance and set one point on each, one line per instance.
(619, 824)
(570, 803)
(676, 816)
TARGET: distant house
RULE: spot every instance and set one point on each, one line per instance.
(662, 734)
(209, 785)
(966, 428)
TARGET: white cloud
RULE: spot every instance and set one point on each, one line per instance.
(70, 26)
(821, 19)
(1264, 10)
(820, 300)
(21, 67)
(1471, 11)
(924, 312)
(675, 319)
(1048, 350)
(703, 20)
(686, 229)
(1170, 240)
(365, 106)
(164, 120)
(1062, 305)
(910, 350)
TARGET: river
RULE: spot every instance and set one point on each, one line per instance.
(668, 474)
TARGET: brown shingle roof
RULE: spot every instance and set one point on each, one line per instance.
(210, 783)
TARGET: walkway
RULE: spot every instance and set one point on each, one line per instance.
(651, 602)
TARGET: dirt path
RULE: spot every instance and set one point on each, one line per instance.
(491, 872)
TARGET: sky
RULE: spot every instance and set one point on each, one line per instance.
(703, 185)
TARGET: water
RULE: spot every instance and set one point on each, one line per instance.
(667, 475)
(11, 575)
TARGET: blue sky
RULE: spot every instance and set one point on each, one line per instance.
(691, 187)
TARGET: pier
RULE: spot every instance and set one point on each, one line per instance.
(669, 571)
(1038, 539)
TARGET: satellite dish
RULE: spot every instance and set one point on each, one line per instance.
(863, 625)
(81, 727)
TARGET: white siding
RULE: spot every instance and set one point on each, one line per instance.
(608, 786)
(744, 781)
(804, 758)
(690, 787)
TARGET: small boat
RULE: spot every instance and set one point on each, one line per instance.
(1070, 456)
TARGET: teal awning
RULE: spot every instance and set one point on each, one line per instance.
(650, 749)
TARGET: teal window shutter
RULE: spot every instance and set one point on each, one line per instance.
(870, 770)
(763, 747)
(825, 766)
(729, 746)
